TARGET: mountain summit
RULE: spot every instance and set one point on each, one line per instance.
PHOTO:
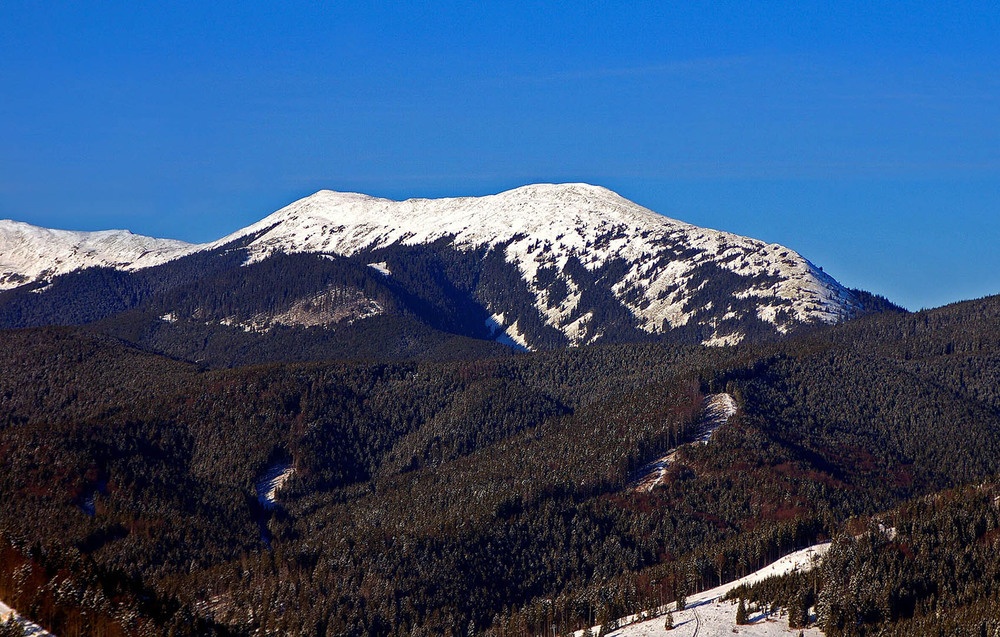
(567, 239)
(29, 253)
(545, 265)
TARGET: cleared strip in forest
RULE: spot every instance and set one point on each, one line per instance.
(716, 411)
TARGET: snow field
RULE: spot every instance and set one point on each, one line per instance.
(707, 616)
(271, 481)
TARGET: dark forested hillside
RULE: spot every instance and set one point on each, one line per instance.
(543, 266)
(227, 307)
(460, 496)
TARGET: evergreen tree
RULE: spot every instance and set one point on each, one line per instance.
(741, 613)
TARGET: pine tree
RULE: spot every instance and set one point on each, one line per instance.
(741, 613)
(798, 612)
(669, 623)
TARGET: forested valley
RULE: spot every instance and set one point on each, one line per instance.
(491, 493)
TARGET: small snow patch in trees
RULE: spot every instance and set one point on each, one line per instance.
(723, 340)
(495, 323)
(381, 267)
(509, 336)
(169, 317)
(717, 410)
(514, 339)
(271, 481)
(88, 503)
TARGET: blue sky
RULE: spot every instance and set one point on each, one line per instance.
(864, 135)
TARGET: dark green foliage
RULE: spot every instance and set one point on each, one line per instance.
(934, 557)
(741, 613)
(433, 496)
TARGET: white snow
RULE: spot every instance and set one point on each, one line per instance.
(544, 225)
(706, 616)
(29, 253)
(716, 411)
(381, 267)
(271, 481)
(495, 323)
(723, 340)
(537, 226)
(31, 629)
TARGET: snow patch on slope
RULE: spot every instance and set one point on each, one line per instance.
(381, 267)
(30, 629)
(706, 616)
(271, 481)
(333, 306)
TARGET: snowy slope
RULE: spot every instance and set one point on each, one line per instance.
(29, 253)
(268, 484)
(716, 411)
(30, 629)
(545, 225)
(661, 273)
(707, 616)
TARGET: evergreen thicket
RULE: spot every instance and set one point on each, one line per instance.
(468, 495)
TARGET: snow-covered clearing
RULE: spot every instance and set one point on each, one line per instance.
(270, 481)
(381, 267)
(716, 411)
(706, 616)
(31, 629)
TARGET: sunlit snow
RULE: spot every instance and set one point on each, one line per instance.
(30, 629)
(706, 616)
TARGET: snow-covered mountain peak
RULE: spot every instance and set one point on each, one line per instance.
(579, 259)
(546, 226)
(29, 253)
(344, 222)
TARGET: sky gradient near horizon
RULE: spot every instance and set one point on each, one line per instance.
(864, 135)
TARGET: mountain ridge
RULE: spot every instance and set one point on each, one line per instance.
(29, 252)
(589, 263)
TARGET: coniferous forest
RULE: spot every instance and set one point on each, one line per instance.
(459, 488)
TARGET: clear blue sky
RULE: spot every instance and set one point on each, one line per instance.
(864, 135)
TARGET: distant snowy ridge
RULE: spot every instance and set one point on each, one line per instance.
(29, 253)
(658, 269)
(543, 226)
